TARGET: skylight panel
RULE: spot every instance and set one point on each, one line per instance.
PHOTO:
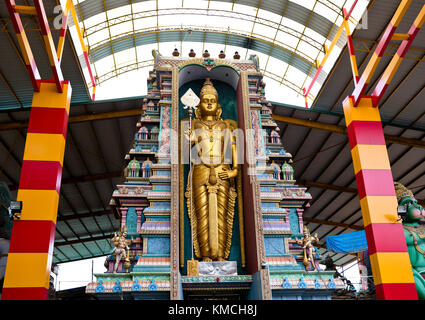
(307, 50)
(220, 5)
(105, 65)
(94, 20)
(340, 3)
(316, 87)
(98, 37)
(309, 4)
(267, 15)
(277, 92)
(325, 11)
(167, 4)
(296, 76)
(144, 53)
(222, 22)
(145, 23)
(333, 56)
(119, 12)
(133, 85)
(121, 28)
(261, 30)
(275, 66)
(203, 4)
(293, 25)
(124, 57)
(241, 21)
(241, 25)
(313, 37)
(289, 40)
(245, 9)
(144, 6)
(359, 9)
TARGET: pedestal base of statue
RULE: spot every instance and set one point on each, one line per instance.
(218, 268)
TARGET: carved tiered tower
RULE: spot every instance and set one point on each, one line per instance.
(151, 204)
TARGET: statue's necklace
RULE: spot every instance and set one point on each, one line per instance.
(210, 124)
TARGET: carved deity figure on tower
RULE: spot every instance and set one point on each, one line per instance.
(121, 250)
(307, 243)
(210, 190)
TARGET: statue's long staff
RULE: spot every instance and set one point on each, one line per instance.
(190, 101)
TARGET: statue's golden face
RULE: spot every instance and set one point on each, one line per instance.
(208, 105)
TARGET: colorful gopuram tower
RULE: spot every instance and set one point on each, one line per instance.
(264, 261)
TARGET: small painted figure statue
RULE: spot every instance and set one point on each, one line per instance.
(121, 250)
(307, 243)
(413, 219)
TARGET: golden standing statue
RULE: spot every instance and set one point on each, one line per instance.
(213, 174)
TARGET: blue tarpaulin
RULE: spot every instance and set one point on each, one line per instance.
(347, 243)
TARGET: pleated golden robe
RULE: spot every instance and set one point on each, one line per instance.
(213, 198)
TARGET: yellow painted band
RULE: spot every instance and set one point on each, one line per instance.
(391, 267)
(45, 147)
(335, 39)
(50, 48)
(77, 27)
(39, 204)
(49, 97)
(26, 10)
(25, 47)
(401, 10)
(354, 65)
(420, 19)
(371, 67)
(28, 270)
(366, 156)
(363, 112)
(391, 69)
(59, 50)
(379, 209)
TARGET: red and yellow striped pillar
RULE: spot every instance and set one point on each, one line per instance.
(33, 235)
(389, 258)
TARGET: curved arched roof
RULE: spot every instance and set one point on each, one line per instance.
(289, 36)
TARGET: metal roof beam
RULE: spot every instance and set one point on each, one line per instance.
(83, 240)
(343, 130)
(333, 223)
(84, 215)
(75, 119)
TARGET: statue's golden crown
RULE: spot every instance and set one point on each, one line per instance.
(401, 191)
(208, 88)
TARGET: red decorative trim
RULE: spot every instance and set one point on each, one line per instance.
(41, 175)
(25, 294)
(31, 236)
(396, 291)
(48, 120)
(385, 237)
(383, 43)
(365, 132)
(374, 182)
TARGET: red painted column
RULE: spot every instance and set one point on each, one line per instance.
(391, 268)
(33, 235)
